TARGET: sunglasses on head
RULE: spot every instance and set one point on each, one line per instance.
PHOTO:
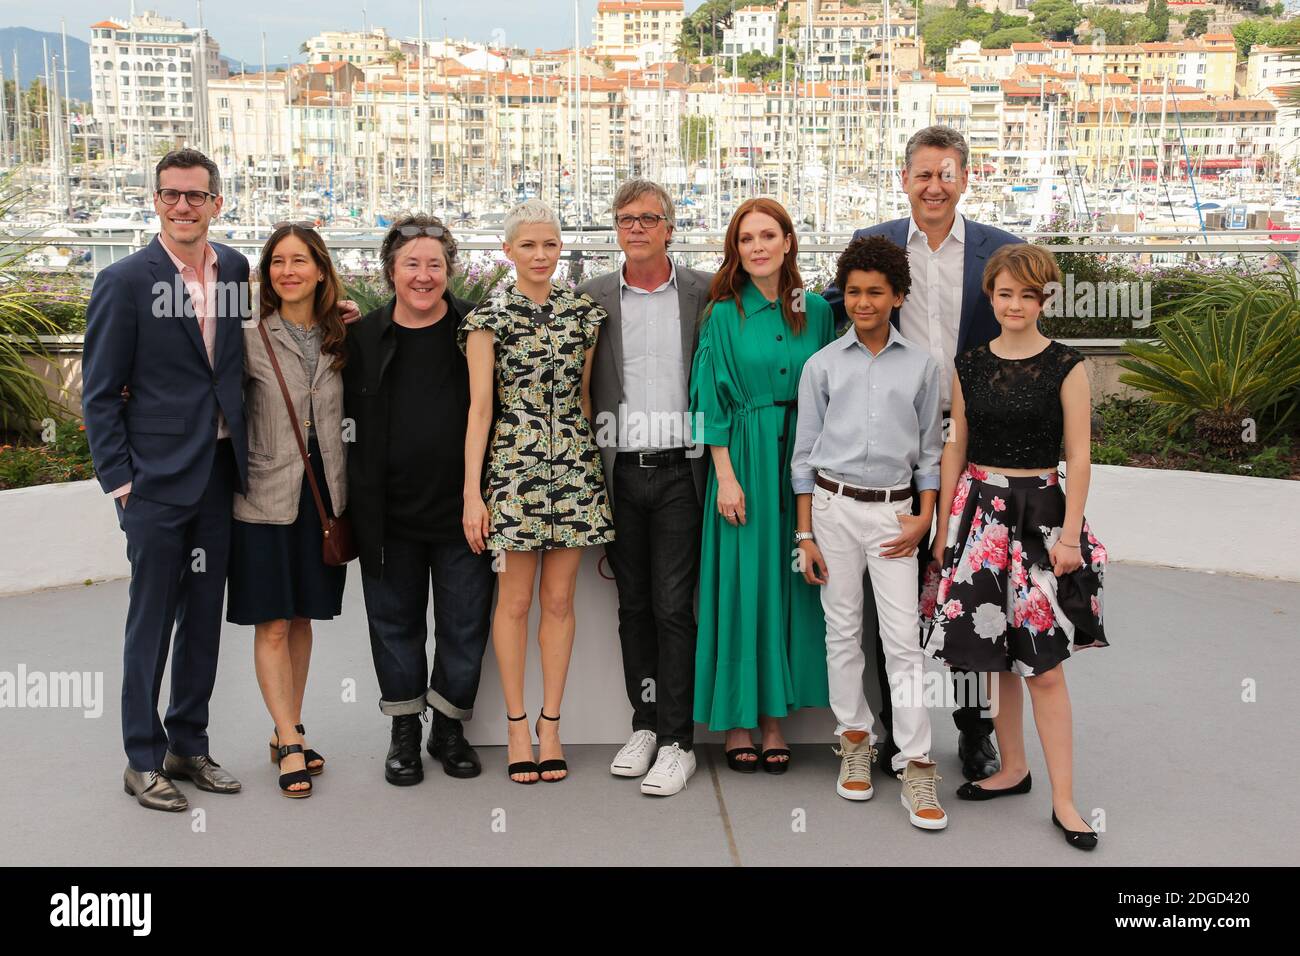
(410, 232)
(300, 223)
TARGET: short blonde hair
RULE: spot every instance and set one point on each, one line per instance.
(527, 213)
(1030, 265)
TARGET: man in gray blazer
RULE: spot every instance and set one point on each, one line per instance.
(640, 384)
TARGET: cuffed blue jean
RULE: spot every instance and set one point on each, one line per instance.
(397, 602)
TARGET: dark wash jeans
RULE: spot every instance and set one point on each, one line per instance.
(397, 604)
(655, 557)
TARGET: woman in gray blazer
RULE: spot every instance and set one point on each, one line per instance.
(278, 580)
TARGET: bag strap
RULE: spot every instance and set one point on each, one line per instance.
(293, 420)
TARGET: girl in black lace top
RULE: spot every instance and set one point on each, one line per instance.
(1020, 573)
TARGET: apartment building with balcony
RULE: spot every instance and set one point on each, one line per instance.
(625, 26)
(149, 81)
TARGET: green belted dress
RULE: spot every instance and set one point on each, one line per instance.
(761, 645)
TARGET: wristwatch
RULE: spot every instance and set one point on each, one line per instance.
(802, 536)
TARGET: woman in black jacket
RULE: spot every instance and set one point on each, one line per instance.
(406, 393)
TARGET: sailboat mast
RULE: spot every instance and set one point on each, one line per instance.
(266, 122)
(420, 112)
(18, 111)
(67, 103)
(51, 156)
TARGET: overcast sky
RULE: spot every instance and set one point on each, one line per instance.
(238, 24)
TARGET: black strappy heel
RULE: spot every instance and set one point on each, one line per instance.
(293, 776)
(523, 766)
(551, 766)
(308, 753)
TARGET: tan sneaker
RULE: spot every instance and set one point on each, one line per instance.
(920, 798)
(856, 755)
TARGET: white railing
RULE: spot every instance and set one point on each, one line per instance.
(816, 247)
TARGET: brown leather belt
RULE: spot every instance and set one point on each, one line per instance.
(863, 494)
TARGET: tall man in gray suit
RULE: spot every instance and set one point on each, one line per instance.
(640, 393)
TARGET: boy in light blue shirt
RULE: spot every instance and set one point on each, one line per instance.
(870, 436)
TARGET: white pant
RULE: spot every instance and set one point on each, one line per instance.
(850, 534)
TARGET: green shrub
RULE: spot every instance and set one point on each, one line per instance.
(23, 399)
(1132, 431)
(59, 298)
(66, 458)
(1225, 354)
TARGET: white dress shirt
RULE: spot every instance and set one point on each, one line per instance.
(654, 379)
(931, 313)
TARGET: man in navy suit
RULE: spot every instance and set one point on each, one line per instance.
(162, 393)
(946, 313)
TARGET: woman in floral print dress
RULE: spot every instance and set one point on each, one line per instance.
(530, 348)
(1021, 572)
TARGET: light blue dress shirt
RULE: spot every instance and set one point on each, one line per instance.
(872, 421)
(655, 399)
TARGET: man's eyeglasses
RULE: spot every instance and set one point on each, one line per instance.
(410, 232)
(648, 220)
(195, 197)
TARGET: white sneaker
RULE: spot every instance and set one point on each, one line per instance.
(635, 757)
(671, 771)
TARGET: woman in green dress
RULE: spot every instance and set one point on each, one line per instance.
(761, 650)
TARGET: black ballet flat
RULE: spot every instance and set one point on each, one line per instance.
(523, 766)
(973, 791)
(1079, 840)
(776, 766)
(742, 766)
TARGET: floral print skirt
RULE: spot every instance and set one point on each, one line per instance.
(995, 604)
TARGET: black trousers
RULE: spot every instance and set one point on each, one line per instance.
(968, 718)
(178, 561)
(655, 557)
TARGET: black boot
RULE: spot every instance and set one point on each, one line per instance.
(979, 758)
(447, 743)
(403, 766)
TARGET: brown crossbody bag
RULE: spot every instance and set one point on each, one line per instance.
(338, 547)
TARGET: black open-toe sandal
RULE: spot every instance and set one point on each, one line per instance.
(310, 754)
(293, 776)
(776, 766)
(741, 766)
(550, 766)
(523, 766)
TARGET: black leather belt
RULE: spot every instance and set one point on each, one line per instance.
(653, 459)
(863, 494)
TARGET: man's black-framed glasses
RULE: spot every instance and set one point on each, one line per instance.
(195, 197)
(648, 220)
(410, 232)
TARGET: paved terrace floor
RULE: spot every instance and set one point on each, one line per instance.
(1185, 770)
